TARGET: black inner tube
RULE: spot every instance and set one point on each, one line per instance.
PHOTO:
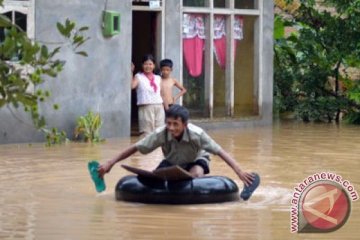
(210, 189)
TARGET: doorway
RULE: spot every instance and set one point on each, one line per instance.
(146, 39)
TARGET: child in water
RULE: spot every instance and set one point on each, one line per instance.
(167, 84)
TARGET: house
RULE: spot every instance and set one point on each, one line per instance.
(222, 52)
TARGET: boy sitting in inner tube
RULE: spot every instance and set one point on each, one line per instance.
(185, 145)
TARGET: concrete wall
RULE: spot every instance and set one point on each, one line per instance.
(173, 35)
(266, 57)
(99, 82)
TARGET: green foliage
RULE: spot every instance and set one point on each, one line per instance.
(69, 31)
(88, 127)
(311, 63)
(54, 136)
(353, 92)
(279, 28)
(20, 80)
(352, 117)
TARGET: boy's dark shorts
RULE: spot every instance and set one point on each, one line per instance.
(200, 162)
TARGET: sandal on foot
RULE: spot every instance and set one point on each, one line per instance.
(248, 191)
(93, 170)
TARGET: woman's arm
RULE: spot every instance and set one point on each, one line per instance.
(134, 80)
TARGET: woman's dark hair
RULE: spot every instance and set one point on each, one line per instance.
(148, 57)
(166, 63)
(177, 111)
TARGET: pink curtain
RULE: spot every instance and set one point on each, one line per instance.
(193, 43)
(194, 40)
(220, 51)
(193, 55)
(220, 37)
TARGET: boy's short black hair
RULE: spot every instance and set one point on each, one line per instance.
(177, 111)
(166, 63)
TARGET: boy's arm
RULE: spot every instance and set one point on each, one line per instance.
(181, 88)
(106, 167)
(247, 178)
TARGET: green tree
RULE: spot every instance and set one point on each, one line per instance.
(20, 80)
(312, 62)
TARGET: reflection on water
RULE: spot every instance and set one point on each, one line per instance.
(46, 193)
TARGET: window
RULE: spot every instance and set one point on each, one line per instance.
(147, 3)
(21, 12)
(20, 20)
(220, 57)
(239, 4)
(17, 18)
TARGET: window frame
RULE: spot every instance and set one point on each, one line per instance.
(160, 48)
(25, 7)
(230, 12)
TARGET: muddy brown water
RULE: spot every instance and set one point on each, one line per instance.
(46, 193)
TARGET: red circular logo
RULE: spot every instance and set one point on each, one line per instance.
(326, 207)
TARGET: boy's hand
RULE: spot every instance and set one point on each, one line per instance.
(105, 168)
(247, 178)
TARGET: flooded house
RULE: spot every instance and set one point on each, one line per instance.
(222, 52)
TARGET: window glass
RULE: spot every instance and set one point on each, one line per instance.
(195, 3)
(246, 4)
(219, 3)
(9, 15)
(245, 93)
(193, 38)
(219, 91)
(220, 48)
(20, 20)
(3, 31)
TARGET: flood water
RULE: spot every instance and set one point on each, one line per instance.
(46, 193)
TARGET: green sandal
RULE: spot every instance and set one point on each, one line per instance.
(93, 170)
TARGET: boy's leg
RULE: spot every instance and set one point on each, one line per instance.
(163, 163)
(196, 171)
(198, 168)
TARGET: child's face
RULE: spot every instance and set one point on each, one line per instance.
(148, 66)
(165, 71)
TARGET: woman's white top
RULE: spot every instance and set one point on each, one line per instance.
(145, 92)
